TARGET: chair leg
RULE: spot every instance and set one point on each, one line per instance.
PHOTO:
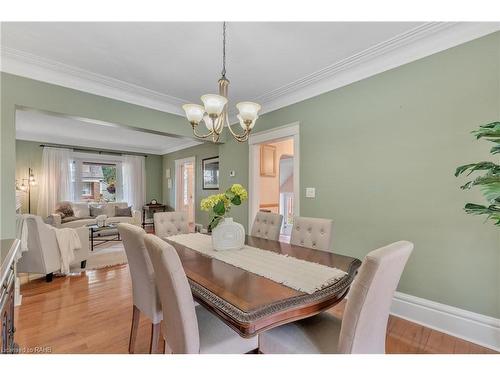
(136, 313)
(155, 336)
(49, 277)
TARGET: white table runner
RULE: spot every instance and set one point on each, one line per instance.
(295, 273)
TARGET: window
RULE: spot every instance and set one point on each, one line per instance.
(98, 182)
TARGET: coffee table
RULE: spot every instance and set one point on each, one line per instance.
(96, 231)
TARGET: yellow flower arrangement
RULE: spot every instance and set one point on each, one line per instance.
(220, 204)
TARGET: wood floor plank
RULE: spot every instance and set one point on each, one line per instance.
(91, 312)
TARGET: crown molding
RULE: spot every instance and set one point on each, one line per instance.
(25, 64)
(169, 150)
(422, 41)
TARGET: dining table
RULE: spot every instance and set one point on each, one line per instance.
(251, 304)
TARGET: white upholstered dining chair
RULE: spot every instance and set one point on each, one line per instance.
(145, 294)
(312, 232)
(170, 223)
(267, 225)
(188, 330)
(363, 327)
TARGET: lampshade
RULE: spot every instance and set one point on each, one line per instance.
(194, 112)
(248, 110)
(214, 104)
(242, 123)
(208, 122)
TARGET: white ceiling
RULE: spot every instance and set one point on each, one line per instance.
(162, 65)
(42, 127)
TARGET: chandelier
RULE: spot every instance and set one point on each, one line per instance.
(214, 113)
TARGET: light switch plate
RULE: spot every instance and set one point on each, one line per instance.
(169, 183)
(310, 192)
(167, 173)
(232, 173)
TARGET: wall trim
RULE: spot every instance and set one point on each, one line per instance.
(414, 44)
(477, 328)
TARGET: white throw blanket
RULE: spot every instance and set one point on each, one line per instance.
(68, 241)
(295, 273)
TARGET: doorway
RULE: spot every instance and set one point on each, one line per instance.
(274, 175)
(185, 187)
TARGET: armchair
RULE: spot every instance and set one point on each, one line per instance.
(43, 254)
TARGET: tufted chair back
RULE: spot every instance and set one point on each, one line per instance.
(364, 322)
(179, 314)
(267, 225)
(144, 291)
(170, 223)
(312, 232)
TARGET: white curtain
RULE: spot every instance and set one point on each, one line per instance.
(134, 181)
(56, 180)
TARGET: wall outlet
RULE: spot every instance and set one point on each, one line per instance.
(310, 192)
(232, 173)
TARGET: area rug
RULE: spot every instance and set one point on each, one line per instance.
(105, 255)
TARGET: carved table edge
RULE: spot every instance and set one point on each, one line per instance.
(207, 296)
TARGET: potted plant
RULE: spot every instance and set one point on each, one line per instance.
(226, 234)
(489, 181)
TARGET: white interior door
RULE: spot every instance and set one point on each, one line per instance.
(185, 187)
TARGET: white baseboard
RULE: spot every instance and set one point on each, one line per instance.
(479, 329)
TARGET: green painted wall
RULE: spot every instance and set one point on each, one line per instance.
(203, 151)
(18, 91)
(381, 153)
(153, 177)
(29, 154)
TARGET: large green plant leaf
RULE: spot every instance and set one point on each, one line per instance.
(491, 191)
(490, 131)
(492, 212)
(481, 166)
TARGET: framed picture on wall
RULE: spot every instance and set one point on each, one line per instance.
(267, 161)
(210, 173)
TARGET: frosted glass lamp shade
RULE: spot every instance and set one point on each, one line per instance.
(214, 104)
(208, 122)
(194, 112)
(242, 123)
(248, 110)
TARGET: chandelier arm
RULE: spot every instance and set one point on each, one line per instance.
(201, 135)
(239, 137)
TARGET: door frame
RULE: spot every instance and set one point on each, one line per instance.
(254, 141)
(178, 162)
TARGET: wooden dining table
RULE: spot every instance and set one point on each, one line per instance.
(250, 303)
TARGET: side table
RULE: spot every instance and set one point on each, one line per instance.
(151, 209)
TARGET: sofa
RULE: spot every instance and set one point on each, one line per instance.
(43, 255)
(82, 215)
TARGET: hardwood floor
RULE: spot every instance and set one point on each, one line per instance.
(92, 312)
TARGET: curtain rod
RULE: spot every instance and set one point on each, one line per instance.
(94, 150)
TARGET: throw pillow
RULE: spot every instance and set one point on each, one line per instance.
(96, 211)
(64, 209)
(123, 211)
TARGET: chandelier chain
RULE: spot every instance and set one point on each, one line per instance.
(224, 49)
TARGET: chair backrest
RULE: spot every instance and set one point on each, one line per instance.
(179, 315)
(364, 322)
(144, 291)
(312, 232)
(267, 225)
(170, 223)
